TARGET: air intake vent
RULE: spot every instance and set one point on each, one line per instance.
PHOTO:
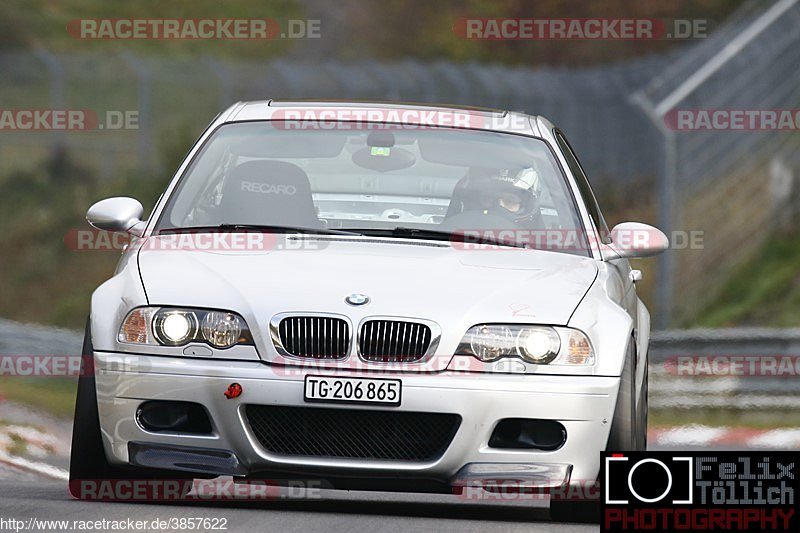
(393, 341)
(315, 337)
(352, 433)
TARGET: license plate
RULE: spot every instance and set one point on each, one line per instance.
(352, 390)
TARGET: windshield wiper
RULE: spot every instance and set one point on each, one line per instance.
(437, 235)
(264, 228)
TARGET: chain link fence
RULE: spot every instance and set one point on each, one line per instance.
(736, 186)
(730, 185)
(180, 96)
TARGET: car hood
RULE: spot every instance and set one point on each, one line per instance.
(456, 288)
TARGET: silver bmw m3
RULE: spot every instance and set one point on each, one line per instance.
(380, 296)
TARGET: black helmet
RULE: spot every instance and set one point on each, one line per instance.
(514, 195)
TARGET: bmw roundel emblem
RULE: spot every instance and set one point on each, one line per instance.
(357, 299)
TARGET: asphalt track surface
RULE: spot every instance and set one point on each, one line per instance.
(27, 496)
(40, 500)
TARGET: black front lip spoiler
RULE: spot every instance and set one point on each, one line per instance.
(185, 459)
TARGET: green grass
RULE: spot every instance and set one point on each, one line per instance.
(762, 292)
(18, 445)
(55, 396)
(44, 280)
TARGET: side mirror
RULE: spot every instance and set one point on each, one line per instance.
(634, 239)
(116, 214)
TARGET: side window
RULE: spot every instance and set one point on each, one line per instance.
(583, 186)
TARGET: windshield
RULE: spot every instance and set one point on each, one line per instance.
(378, 179)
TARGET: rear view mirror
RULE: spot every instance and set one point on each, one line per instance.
(383, 159)
(116, 214)
(634, 239)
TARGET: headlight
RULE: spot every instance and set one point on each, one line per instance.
(173, 327)
(539, 345)
(222, 329)
(168, 326)
(488, 343)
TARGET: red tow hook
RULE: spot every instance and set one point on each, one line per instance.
(234, 391)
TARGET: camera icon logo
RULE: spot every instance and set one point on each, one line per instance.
(648, 480)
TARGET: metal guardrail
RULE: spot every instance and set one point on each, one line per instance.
(746, 357)
(731, 184)
(34, 339)
(701, 341)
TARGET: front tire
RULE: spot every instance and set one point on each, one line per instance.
(88, 465)
(628, 433)
(629, 426)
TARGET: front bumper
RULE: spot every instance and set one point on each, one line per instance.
(583, 404)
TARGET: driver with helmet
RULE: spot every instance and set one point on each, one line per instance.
(500, 192)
